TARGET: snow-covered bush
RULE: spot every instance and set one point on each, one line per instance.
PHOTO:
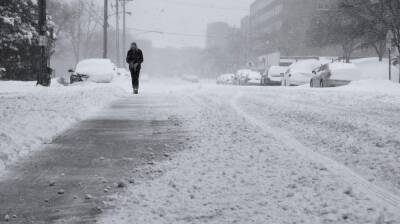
(2, 72)
(19, 37)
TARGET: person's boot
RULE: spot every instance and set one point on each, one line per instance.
(135, 91)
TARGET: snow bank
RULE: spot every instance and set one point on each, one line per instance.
(372, 68)
(371, 85)
(30, 116)
(233, 171)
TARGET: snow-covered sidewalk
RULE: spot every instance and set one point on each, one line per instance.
(235, 170)
(31, 116)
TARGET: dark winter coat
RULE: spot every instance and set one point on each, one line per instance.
(134, 56)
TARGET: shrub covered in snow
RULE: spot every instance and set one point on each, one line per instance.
(2, 72)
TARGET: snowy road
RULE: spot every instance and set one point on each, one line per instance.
(273, 155)
(234, 155)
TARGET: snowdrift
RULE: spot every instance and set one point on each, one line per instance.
(31, 116)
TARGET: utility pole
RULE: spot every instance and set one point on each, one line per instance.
(118, 50)
(390, 64)
(105, 27)
(123, 30)
(43, 78)
(79, 32)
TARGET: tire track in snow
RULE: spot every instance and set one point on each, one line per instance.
(383, 197)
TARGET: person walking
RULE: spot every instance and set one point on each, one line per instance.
(135, 59)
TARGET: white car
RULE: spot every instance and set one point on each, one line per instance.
(247, 77)
(98, 70)
(190, 78)
(226, 79)
(273, 76)
(300, 73)
(335, 74)
(254, 78)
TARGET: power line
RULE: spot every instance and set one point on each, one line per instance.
(186, 4)
(169, 33)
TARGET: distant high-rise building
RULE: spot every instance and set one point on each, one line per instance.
(217, 34)
(281, 25)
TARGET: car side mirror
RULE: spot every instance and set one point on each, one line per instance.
(70, 70)
(314, 72)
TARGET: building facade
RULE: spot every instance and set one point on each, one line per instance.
(217, 34)
(281, 25)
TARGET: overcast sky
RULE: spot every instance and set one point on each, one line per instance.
(182, 17)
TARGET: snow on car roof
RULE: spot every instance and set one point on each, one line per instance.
(305, 66)
(99, 69)
(95, 61)
(345, 71)
(277, 70)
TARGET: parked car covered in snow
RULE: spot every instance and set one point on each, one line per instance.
(273, 76)
(226, 79)
(98, 70)
(247, 77)
(335, 74)
(300, 73)
(190, 78)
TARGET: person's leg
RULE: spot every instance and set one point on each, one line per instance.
(135, 82)
(138, 78)
(132, 78)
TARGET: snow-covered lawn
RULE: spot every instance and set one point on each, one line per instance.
(278, 155)
(31, 116)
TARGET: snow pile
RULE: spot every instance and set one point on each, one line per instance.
(98, 70)
(30, 116)
(233, 171)
(372, 68)
(382, 86)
